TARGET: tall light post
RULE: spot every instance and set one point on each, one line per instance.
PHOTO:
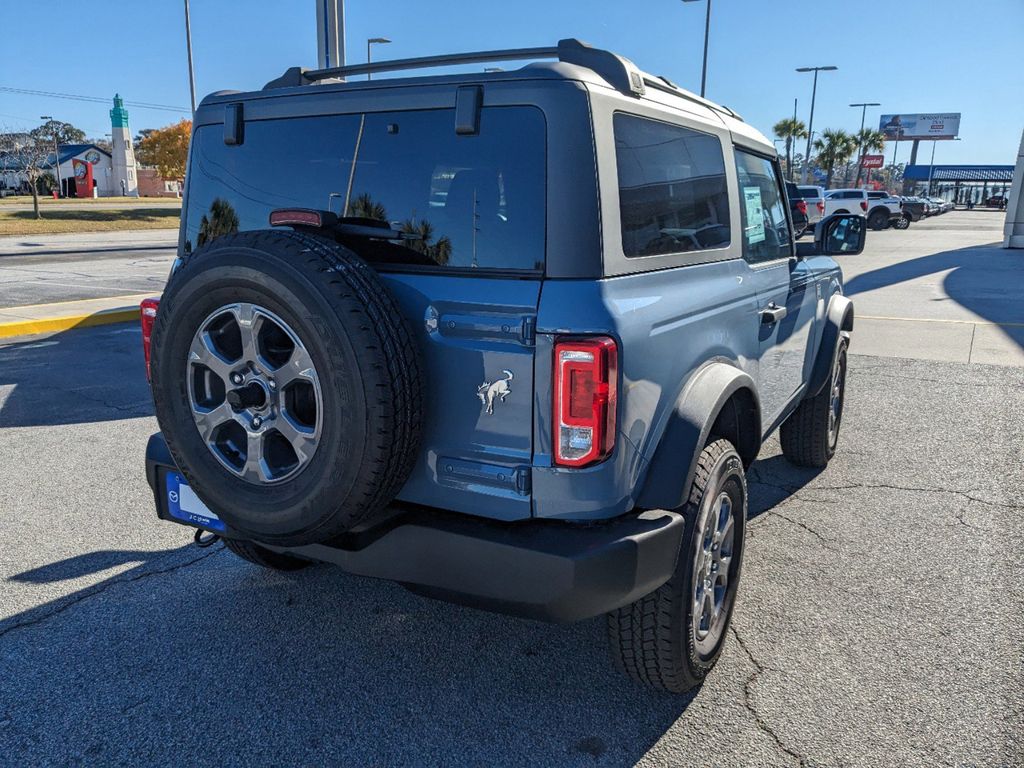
(810, 122)
(707, 30)
(370, 41)
(860, 149)
(56, 157)
(188, 46)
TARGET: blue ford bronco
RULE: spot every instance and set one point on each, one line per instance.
(510, 339)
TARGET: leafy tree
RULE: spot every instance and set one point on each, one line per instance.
(789, 129)
(29, 155)
(834, 147)
(166, 149)
(365, 207)
(64, 133)
(421, 233)
(869, 140)
(222, 220)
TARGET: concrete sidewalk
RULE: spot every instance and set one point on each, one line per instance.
(62, 316)
(79, 242)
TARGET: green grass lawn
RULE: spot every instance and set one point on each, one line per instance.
(88, 220)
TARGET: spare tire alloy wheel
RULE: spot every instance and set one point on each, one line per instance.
(287, 384)
(254, 393)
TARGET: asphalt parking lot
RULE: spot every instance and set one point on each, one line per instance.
(880, 620)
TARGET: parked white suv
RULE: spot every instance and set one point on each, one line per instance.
(880, 208)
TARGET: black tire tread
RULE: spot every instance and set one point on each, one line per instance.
(804, 435)
(645, 637)
(383, 335)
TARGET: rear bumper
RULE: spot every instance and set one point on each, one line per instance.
(538, 569)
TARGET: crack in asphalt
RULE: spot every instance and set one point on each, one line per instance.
(97, 589)
(133, 410)
(794, 491)
(748, 702)
(976, 384)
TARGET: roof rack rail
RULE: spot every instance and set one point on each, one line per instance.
(663, 84)
(620, 72)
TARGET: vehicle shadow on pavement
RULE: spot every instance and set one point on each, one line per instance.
(218, 662)
(55, 383)
(984, 279)
(772, 480)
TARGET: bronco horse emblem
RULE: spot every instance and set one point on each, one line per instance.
(491, 390)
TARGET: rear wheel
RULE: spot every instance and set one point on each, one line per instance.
(810, 435)
(903, 222)
(673, 637)
(267, 558)
(879, 218)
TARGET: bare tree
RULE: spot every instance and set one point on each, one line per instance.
(29, 155)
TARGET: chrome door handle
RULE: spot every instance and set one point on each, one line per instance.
(772, 314)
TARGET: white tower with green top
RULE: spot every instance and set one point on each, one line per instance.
(124, 179)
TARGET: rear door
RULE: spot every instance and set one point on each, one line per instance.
(786, 288)
(468, 280)
(467, 274)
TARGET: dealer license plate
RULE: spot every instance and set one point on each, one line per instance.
(184, 505)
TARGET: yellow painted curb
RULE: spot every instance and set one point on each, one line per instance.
(67, 322)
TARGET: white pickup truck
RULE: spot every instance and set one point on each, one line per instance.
(880, 208)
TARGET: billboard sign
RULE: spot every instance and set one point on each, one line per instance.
(874, 161)
(908, 127)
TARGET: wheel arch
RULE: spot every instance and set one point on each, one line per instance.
(838, 324)
(720, 401)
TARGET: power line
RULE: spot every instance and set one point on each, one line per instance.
(93, 99)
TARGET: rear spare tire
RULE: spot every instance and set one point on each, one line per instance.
(287, 385)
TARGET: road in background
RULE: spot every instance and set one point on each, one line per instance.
(42, 269)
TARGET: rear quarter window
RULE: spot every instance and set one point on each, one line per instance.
(673, 195)
(473, 201)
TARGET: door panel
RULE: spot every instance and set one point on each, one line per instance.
(477, 338)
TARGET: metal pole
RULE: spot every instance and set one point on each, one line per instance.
(188, 45)
(704, 69)
(56, 159)
(369, 75)
(789, 147)
(330, 28)
(931, 169)
(892, 170)
(810, 125)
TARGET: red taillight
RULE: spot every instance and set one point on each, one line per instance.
(284, 217)
(864, 205)
(801, 205)
(147, 314)
(821, 206)
(586, 393)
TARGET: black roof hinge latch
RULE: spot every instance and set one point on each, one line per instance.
(468, 100)
(234, 124)
(529, 330)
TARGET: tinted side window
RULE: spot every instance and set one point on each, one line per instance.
(462, 201)
(673, 195)
(763, 213)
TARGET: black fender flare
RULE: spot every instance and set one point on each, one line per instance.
(666, 485)
(838, 324)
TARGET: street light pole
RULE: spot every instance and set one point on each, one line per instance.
(56, 157)
(860, 155)
(707, 30)
(931, 168)
(810, 122)
(370, 41)
(188, 45)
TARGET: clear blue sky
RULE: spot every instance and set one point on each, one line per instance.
(910, 55)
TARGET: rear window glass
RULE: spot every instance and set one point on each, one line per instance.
(673, 195)
(460, 201)
(807, 193)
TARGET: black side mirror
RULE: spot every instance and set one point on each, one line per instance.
(841, 233)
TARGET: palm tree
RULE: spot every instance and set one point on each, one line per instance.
(789, 129)
(834, 146)
(869, 140)
(365, 207)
